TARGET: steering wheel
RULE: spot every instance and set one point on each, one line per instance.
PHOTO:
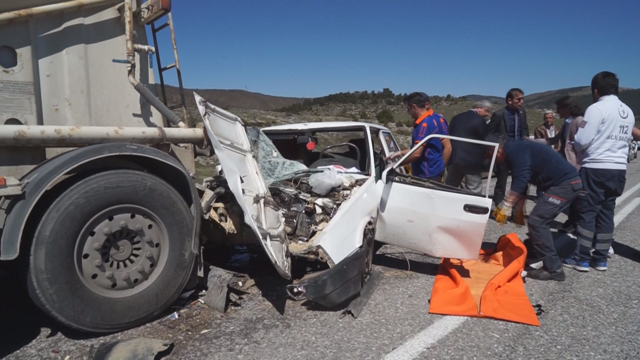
(337, 145)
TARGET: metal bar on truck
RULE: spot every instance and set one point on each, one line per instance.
(64, 136)
(28, 13)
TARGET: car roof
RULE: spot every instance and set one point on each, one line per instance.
(323, 125)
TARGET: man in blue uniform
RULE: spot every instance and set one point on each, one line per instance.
(533, 163)
(429, 161)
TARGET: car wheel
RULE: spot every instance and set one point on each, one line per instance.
(369, 247)
(112, 252)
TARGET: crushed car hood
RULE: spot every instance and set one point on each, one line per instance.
(229, 140)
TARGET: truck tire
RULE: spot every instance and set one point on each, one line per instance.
(112, 252)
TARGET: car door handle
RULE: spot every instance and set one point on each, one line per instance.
(476, 209)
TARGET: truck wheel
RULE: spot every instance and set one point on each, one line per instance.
(112, 252)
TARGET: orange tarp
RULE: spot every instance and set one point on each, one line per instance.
(490, 286)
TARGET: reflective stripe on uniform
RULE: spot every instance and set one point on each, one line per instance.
(584, 232)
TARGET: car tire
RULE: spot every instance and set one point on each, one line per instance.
(368, 244)
(112, 252)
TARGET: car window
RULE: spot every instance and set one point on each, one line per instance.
(392, 145)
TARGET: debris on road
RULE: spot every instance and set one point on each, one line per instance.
(356, 306)
(173, 316)
(135, 349)
(217, 288)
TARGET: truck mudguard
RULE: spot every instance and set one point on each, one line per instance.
(41, 178)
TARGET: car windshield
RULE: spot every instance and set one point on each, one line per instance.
(318, 149)
(272, 164)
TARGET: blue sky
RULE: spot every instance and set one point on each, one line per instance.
(314, 48)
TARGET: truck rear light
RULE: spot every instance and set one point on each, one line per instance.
(3, 181)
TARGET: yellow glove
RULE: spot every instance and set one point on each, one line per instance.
(502, 212)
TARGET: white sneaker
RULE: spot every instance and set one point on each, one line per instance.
(610, 252)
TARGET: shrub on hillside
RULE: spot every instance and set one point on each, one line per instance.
(385, 116)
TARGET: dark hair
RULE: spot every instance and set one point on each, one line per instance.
(606, 83)
(570, 103)
(512, 93)
(419, 99)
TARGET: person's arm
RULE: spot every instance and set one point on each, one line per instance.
(496, 117)
(635, 132)
(446, 151)
(525, 124)
(415, 156)
(588, 128)
(520, 165)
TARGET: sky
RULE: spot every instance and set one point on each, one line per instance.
(303, 48)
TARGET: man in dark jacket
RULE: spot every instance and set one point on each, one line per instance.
(467, 158)
(509, 122)
(533, 163)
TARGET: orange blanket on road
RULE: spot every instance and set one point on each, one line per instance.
(490, 287)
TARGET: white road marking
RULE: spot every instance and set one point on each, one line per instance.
(425, 338)
(441, 328)
(627, 193)
(626, 211)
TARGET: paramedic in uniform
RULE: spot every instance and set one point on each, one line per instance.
(430, 160)
(603, 141)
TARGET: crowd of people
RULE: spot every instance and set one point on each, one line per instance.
(578, 170)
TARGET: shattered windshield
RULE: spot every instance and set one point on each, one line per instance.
(346, 149)
(273, 166)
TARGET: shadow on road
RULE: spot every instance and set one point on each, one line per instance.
(21, 321)
(390, 261)
(626, 251)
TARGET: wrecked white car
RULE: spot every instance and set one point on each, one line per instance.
(321, 191)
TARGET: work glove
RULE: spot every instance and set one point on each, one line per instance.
(502, 212)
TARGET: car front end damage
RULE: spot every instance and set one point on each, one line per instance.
(261, 197)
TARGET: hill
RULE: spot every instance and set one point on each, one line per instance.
(238, 99)
(383, 107)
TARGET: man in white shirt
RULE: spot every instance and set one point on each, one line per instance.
(603, 141)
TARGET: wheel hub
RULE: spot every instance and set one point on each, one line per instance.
(119, 250)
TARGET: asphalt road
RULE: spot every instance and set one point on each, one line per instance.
(590, 316)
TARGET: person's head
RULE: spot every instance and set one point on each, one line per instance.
(416, 103)
(568, 106)
(604, 83)
(549, 117)
(515, 98)
(501, 140)
(483, 107)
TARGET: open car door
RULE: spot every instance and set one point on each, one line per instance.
(228, 137)
(430, 217)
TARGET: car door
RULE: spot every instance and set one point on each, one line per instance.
(229, 140)
(431, 217)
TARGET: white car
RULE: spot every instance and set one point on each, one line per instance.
(278, 177)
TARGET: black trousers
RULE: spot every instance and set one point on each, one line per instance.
(554, 200)
(499, 191)
(596, 209)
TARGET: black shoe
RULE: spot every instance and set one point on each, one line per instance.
(542, 274)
